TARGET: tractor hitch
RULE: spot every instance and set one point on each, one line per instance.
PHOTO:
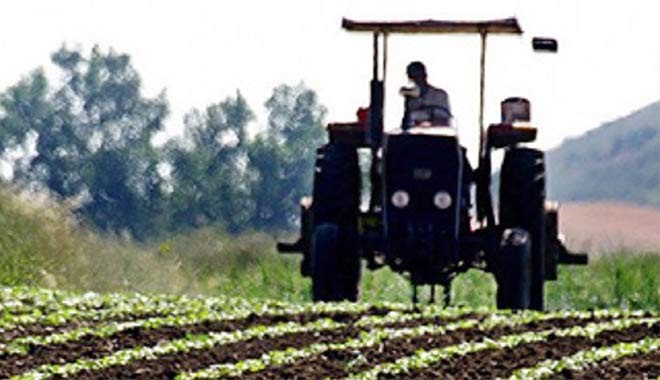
(286, 248)
(573, 258)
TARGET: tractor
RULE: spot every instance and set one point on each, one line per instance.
(430, 215)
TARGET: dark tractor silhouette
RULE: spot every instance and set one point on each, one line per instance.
(421, 219)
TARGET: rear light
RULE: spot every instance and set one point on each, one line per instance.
(363, 117)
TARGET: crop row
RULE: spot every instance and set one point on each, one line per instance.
(24, 299)
(54, 309)
(368, 338)
(16, 300)
(102, 340)
(204, 341)
(195, 314)
(22, 346)
(50, 307)
(185, 327)
(93, 307)
(32, 299)
(586, 358)
(65, 315)
(425, 358)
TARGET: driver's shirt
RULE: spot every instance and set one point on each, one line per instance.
(432, 103)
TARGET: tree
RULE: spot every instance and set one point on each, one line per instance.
(92, 142)
(209, 166)
(24, 109)
(94, 138)
(282, 157)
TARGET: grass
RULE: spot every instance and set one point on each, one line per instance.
(616, 280)
(621, 279)
(42, 244)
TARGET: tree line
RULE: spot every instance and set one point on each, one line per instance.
(88, 139)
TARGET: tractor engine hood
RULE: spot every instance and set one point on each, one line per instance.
(422, 198)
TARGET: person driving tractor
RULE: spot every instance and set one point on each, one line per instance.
(424, 104)
(427, 106)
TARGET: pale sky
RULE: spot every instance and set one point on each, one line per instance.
(203, 51)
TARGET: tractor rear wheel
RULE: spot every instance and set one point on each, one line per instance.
(336, 196)
(522, 205)
(513, 271)
(335, 255)
(335, 264)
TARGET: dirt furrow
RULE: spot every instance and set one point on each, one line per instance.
(44, 329)
(339, 364)
(93, 347)
(637, 367)
(491, 364)
(167, 366)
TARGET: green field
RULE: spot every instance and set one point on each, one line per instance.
(216, 305)
(620, 280)
(42, 244)
(55, 334)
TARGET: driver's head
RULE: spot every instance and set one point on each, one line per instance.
(416, 72)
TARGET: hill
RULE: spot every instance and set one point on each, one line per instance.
(618, 161)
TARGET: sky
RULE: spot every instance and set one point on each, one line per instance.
(202, 51)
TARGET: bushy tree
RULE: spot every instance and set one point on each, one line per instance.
(93, 138)
(25, 108)
(209, 166)
(219, 175)
(282, 157)
(91, 142)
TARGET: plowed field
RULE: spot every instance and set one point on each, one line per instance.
(50, 334)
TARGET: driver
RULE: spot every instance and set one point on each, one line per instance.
(424, 104)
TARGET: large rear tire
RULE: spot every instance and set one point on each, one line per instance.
(335, 256)
(335, 264)
(514, 270)
(522, 205)
(336, 197)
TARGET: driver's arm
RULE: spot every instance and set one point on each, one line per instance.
(414, 92)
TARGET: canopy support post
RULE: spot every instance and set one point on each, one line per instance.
(375, 68)
(484, 201)
(482, 90)
(384, 74)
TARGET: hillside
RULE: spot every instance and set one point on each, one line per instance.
(618, 161)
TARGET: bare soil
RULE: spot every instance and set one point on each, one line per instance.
(339, 364)
(42, 330)
(169, 365)
(333, 364)
(95, 347)
(492, 364)
(609, 227)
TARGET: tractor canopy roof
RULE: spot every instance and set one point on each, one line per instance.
(503, 26)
